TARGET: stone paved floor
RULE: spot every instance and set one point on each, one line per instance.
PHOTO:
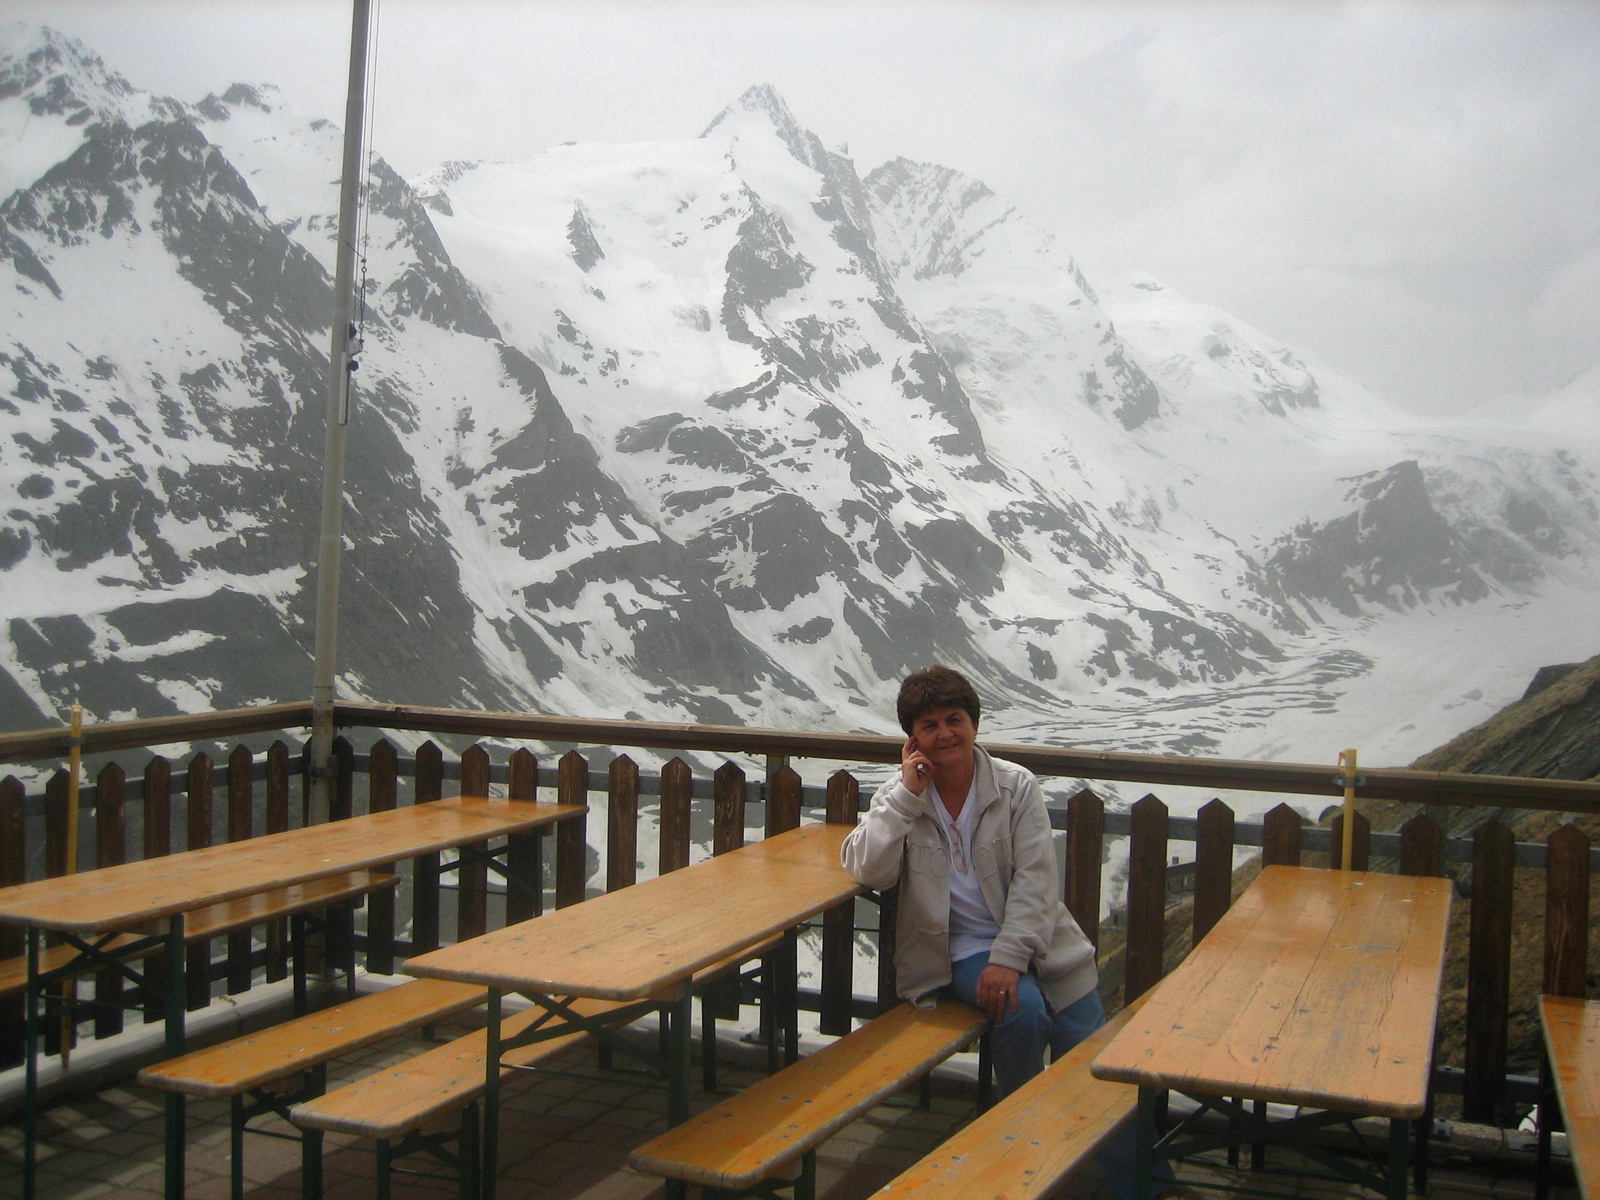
(564, 1138)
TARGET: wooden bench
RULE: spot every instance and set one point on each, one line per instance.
(1572, 1042)
(229, 916)
(1034, 1138)
(252, 1071)
(394, 1105)
(756, 1135)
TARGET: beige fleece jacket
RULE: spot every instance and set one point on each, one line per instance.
(899, 840)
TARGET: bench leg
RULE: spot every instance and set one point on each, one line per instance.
(1258, 1150)
(297, 951)
(383, 1169)
(236, 1148)
(340, 921)
(467, 1152)
(985, 1073)
(708, 1045)
(770, 1006)
(311, 1164)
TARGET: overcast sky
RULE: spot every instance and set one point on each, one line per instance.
(1408, 192)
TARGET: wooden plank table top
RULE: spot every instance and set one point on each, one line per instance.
(122, 896)
(1572, 1033)
(1317, 988)
(640, 941)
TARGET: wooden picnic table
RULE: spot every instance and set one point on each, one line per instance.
(1572, 1041)
(1318, 989)
(92, 908)
(643, 944)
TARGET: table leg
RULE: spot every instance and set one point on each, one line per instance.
(177, 1006)
(1144, 1141)
(1546, 1111)
(30, 1050)
(680, 1018)
(1399, 1146)
(679, 1015)
(491, 1098)
(1420, 1178)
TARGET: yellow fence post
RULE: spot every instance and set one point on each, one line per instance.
(1347, 764)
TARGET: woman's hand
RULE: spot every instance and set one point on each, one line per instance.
(915, 769)
(997, 990)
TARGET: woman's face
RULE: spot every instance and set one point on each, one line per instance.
(946, 736)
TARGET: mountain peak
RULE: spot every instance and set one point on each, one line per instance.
(54, 82)
(55, 70)
(762, 107)
(760, 100)
(263, 96)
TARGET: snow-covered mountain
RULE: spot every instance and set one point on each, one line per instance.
(715, 429)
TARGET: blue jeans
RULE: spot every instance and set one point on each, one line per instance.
(1017, 1043)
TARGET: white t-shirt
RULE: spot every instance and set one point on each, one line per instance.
(972, 927)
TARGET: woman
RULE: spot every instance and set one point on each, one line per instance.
(967, 838)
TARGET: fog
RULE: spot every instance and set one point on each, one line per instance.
(1408, 193)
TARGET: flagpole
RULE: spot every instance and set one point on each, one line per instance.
(341, 362)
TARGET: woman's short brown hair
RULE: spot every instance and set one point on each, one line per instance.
(934, 687)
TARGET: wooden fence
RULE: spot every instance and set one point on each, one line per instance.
(195, 801)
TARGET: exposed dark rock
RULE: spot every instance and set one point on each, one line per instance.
(772, 554)
(1393, 550)
(429, 287)
(24, 261)
(59, 651)
(586, 251)
(867, 467)
(809, 633)
(761, 268)
(969, 559)
(759, 392)
(1131, 395)
(923, 375)
(555, 484)
(1075, 538)
(1167, 649)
